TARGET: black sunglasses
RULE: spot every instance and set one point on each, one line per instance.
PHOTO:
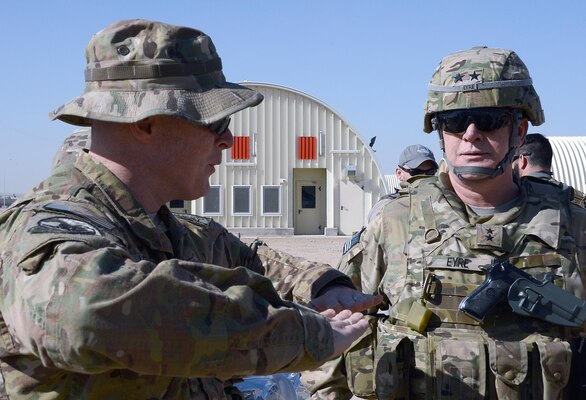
(485, 119)
(417, 171)
(219, 127)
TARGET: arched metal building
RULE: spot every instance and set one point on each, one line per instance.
(569, 160)
(296, 167)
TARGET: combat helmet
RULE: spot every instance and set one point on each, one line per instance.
(478, 78)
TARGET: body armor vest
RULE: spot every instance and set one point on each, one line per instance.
(454, 356)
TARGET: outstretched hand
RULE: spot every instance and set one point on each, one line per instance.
(340, 298)
(347, 327)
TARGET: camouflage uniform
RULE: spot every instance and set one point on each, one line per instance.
(424, 251)
(576, 196)
(104, 301)
(443, 241)
(100, 302)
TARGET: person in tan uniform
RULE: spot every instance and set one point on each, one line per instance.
(429, 251)
(106, 293)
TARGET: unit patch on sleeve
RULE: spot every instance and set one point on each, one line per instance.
(64, 225)
(353, 241)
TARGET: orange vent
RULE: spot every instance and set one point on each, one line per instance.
(241, 148)
(306, 148)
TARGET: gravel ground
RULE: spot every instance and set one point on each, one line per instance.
(326, 249)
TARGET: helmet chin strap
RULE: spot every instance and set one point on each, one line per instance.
(482, 172)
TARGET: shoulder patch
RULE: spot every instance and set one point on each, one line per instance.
(194, 219)
(64, 225)
(353, 241)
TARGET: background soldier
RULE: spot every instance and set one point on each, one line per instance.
(533, 158)
(425, 250)
(415, 160)
(105, 293)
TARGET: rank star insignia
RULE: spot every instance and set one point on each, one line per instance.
(458, 77)
(489, 237)
(474, 76)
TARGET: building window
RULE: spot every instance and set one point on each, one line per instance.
(306, 148)
(308, 197)
(271, 200)
(242, 200)
(212, 202)
(176, 204)
(241, 148)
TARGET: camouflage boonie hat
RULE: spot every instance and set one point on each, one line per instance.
(482, 77)
(139, 68)
(80, 138)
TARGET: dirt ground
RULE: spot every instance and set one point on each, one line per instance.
(327, 249)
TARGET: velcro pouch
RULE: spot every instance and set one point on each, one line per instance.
(393, 359)
(359, 362)
(509, 363)
(460, 364)
(556, 361)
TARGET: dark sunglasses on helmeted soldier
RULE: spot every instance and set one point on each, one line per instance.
(485, 119)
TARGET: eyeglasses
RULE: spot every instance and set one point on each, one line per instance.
(417, 171)
(485, 119)
(219, 127)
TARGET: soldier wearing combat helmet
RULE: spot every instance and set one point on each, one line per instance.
(107, 294)
(428, 250)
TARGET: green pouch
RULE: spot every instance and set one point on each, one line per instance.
(359, 362)
(509, 363)
(555, 359)
(460, 367)
(393, 359)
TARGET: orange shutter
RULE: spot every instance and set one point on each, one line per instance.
(306, 148)
(241, 148)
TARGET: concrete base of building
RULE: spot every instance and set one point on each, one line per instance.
(252, 232)
(331, 231)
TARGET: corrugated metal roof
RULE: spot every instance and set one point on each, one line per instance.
(569, 160)
(392, 182)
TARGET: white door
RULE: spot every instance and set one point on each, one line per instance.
(310, 202)
(351, 207)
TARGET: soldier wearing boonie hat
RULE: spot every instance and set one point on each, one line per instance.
(139, 68)
(427, 250)
(106, 294)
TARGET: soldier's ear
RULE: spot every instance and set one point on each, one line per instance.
(142, 131)
(523, 162)
(522, 130)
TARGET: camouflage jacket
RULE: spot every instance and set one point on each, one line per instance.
(425, 248)
(100, 303)
(576, 196)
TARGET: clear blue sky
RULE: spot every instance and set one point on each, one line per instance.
(369, 60)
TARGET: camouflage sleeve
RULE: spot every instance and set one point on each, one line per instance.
(295, 278)
(90, 307)
(576, 280)
(371, 261)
